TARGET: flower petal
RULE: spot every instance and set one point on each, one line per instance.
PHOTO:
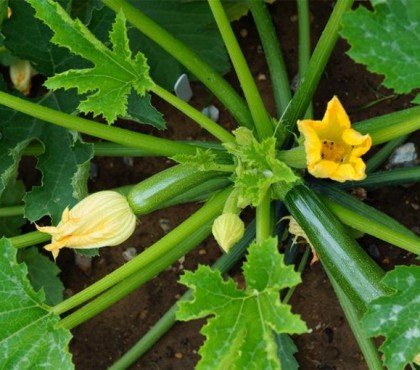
(323, 169)
(361, 143)
(312, 142)
(335, 116)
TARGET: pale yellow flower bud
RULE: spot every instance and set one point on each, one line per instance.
(227, 230)
(101, 219)
(21, 73)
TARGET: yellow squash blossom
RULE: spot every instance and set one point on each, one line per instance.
(333, 148)
(101, 219)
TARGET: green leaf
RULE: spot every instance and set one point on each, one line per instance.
(83, 9)
(29, 336)
(257, 167)
(242, 331)
(286, 351)
(387, 41)
(12, 195)
(397, 317)
(115, 72)
(416, 100)
(43, 274)
(63, 162)
(140, 109)
(28, 38)
(203, 160)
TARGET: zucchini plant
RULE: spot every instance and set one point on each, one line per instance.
(102, 61)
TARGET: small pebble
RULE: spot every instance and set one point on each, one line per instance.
(164, 224)
(182, 88)
(143, 314)
(261, 77)
(129, 253)
(295, 83)
(403, 156)
(177, 296)
(374, 251)
(259, 49)
(202, 252)
(178, 355)
(128, 161)
(212, 112)
(181, 263)
(243, 32)
(415, 206)
(83, 262)
(294, 18)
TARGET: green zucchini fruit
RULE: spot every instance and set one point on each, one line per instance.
(350, 266)
(159, 190)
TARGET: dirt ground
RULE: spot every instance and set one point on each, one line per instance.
(330, 344)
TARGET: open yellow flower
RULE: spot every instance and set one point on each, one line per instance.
(101, 219)
(333, 148)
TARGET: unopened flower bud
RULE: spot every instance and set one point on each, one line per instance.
(227, 230)
(101, 219)
(21, 73)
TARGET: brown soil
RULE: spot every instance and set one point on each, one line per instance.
(330, 345)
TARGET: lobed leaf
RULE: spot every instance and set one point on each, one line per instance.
(115, 72)
(29, 336)
(397, 317)
(242, 333)
(387, 41)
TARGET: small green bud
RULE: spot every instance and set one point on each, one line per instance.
(228, 229)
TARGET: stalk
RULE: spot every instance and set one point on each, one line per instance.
(155, 252)
(11, 211)
(390, 126)
(273, 54)
(304, 43)
(154, 145)
(263, 218)
(29, 239)
(399, 176)
(301, 267)
(259, 114)
(382, 155)
(216, 130)
(224, 263)
(353, 316)
(181, 52)
(309, 82)
(295, 157)
(128, 285)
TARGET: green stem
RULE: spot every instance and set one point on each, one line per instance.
(204, 215)
(259, 114)
(390, 126)
(224, 264)
(205, 122)
(273, 54)
(359, 222)
(309, 81)
(263, 218)
(135, 280)
(395, 177)
(11, 211)
(304, 43)
(353, 316)
(29, 239)
(220, 88)
(295, 157)
(157, 146)
(300, 268)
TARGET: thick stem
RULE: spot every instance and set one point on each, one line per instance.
(262, 121)
(263, 218)
(204, 215)
(29, 239)
(223, 91)
(11, 211)
(205, 122)
(273, 54)
(154, 145)
(304, 43)
(309, 82)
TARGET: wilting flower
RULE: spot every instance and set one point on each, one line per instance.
(228, 229)
(333, 149)
(101, 219)
(21, 73)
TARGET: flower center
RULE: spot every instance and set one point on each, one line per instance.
(332, 151)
